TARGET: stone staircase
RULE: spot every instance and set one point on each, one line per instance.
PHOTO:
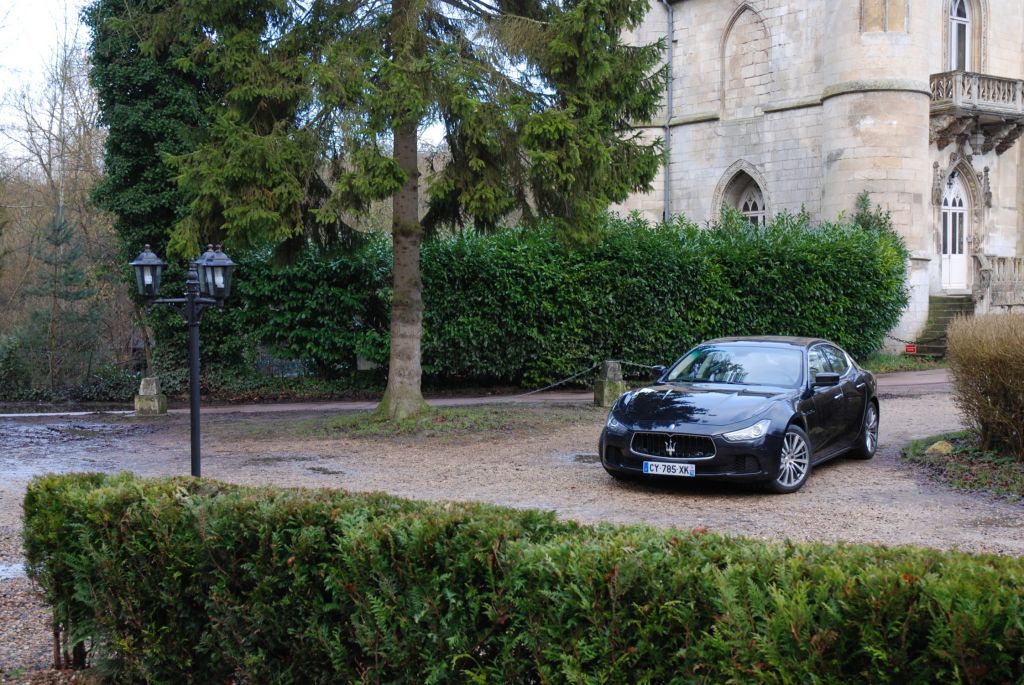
(942, 309)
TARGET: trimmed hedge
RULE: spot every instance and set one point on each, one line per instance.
(185, 580)
(522, 307)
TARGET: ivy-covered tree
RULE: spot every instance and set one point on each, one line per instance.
(323, 102)
(151, 107)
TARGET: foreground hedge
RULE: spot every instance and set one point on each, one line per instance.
(522, 307)
(196, 581)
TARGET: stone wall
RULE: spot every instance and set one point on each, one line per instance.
(818, 100)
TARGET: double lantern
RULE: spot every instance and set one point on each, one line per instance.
(213, 269)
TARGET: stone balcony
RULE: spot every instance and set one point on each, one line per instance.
(999, 281)
(987, 109)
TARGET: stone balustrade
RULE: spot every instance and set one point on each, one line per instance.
(971, 91)
(999, 281)
(1007, 269)
(967, 104)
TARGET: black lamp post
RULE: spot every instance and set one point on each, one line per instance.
(208, 283)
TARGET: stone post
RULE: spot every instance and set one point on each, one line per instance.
(609, 385)
(150, 401)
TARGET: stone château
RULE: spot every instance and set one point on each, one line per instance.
(778, 105)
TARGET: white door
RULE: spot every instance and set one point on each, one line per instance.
(954, 236)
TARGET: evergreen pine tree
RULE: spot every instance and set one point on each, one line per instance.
(63, 325)
(323, 103)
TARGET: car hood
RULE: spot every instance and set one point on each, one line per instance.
(696, 403)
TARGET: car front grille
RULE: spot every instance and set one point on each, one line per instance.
(743, 465)
(673, 446)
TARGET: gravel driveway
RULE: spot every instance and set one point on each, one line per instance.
(879, 501)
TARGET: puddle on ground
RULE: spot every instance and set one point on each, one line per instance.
(323, 470)
(29, 448)
(1007, 521)
(284, 458)
(47, 408)
(587, 458)
(9, 571)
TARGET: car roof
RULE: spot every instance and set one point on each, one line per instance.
(781, 340)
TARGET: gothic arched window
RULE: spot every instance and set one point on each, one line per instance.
(959, 36)
(742, 188)
(751, 204)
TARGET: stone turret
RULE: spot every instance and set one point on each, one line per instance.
(876, 110)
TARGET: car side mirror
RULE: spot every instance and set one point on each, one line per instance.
(657, 371)
(826, 378)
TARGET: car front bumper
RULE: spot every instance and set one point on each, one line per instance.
(742, 461)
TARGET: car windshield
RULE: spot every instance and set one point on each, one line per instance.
(739, 364)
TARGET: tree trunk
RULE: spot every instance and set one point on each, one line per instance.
(58, 664)
(403, 396)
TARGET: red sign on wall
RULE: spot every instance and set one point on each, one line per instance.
(911, 348)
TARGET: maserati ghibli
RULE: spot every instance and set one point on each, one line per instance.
(758, 409)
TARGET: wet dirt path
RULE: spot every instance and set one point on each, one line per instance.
(881, 501)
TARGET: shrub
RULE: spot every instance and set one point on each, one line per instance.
(13, 367)
(187, 580)
(986, 360)
(523, 307)
(109, 383)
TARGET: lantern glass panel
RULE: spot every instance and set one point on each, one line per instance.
(218, 273)
(148, 269)
(203, 271)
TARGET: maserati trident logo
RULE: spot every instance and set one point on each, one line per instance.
(670, 447)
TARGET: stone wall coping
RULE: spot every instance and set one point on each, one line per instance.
(694, 118)
(875, 85)
(794, 104)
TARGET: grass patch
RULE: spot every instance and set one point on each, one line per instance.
(880, 362)
(455, 421)
(969, 468)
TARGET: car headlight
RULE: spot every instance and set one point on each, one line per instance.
(614, 425)
(750, 433)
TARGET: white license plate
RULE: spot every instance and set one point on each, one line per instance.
(660, 468)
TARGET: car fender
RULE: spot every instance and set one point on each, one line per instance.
(784, 413)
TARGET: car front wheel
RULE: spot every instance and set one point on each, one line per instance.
(794, 462)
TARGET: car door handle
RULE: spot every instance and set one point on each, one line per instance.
(837, 397)
(861, 385)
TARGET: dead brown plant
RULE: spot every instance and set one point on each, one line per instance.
(986, 361)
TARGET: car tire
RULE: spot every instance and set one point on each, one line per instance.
(867, 442)
(620, 476)
(794, 462)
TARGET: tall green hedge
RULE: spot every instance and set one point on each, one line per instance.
(190, 581)
(522, 306)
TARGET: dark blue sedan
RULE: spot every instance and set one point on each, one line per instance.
(762, 409)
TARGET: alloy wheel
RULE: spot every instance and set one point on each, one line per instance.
(871, 429)
(794, 460)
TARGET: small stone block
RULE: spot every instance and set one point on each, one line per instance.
(611, 371)
(149, 386)
(606, 392)
(940, 448)
(150, 405)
